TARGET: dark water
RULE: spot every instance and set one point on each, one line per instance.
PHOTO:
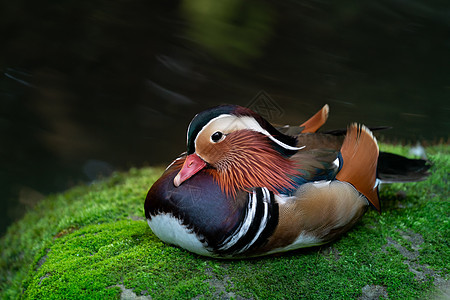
(88, 87)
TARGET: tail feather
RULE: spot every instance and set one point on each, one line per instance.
(360, 155)
(397, 168)
(316, 121)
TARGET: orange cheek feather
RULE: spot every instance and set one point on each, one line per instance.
(251, 162)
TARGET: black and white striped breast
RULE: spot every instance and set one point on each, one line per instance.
(258, 224)
(199, 217)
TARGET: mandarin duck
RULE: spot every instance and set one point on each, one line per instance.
(246, 188)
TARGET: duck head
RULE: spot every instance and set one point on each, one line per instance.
(240, 149)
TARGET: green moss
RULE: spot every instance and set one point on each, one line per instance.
(96, 258)
(92, 241)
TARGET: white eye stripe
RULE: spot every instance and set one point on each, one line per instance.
(207, 124)
(251, 123)
(230, 123)
(285, 146)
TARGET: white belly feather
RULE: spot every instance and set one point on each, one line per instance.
(170, 230)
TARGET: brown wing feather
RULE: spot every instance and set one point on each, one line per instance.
(320, 211)
(310, 126)
(316, 121)
(315, 162)
(360, 156)
(319, 141)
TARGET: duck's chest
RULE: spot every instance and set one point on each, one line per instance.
(199, 217)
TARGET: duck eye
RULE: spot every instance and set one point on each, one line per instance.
(216, 136)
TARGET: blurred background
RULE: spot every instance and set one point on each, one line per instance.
(91, 87)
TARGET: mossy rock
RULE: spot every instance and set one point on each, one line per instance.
(93, 242)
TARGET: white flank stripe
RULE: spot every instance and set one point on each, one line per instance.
(242, 230)
(262, 225)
